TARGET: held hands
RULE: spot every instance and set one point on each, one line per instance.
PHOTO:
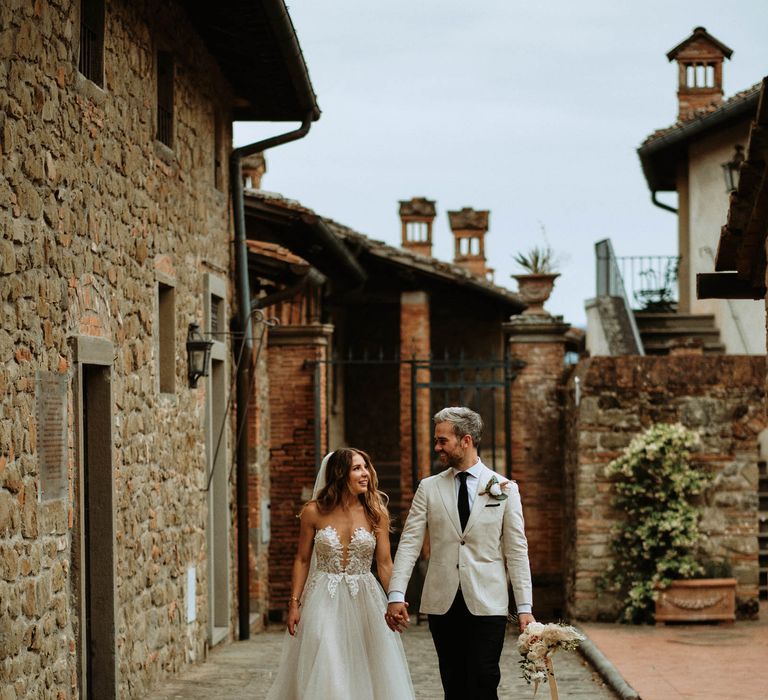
(524, 619)
(396, 616)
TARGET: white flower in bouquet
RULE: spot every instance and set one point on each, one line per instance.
(537, 644)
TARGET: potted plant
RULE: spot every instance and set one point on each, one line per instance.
(655, 544)
(709, 595)
(535, 286)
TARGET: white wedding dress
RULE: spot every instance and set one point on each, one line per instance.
(343, 649)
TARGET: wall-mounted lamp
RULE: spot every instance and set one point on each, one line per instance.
(198, 355)
(731, 169)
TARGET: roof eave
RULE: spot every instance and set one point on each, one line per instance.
(668, 146)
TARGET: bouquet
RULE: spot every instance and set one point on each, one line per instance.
(537, 644)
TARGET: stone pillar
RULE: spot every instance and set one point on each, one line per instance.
(415, 343)
(293, 423)
(537, 450)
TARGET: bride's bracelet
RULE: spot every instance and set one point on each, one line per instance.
(294, 599)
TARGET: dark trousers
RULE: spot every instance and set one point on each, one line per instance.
(468, 648)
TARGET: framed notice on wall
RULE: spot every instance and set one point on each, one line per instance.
(51, 410)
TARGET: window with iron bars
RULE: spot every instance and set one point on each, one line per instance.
(91, 61)
(165, 98)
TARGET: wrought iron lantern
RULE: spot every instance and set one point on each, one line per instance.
(198, 355)
(731, 169)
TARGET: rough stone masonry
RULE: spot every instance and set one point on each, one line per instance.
(94, 213)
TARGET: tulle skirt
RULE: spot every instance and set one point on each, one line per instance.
(343, 649)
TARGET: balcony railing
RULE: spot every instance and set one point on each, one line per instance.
(648, 282)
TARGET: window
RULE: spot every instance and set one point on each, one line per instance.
(217, 316)
(91, 62)
(166, 338)
(165, 98)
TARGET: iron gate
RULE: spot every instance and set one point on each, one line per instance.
(485, 385)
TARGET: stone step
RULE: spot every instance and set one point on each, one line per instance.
(674, 320)
(659, 331)
(662, 348)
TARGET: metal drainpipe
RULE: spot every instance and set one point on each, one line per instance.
(243, 370)
(661, 205)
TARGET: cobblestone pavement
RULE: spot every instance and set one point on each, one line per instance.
(244, 671)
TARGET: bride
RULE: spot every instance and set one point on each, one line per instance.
(338, 645)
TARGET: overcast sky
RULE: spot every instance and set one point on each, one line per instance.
(530, 109)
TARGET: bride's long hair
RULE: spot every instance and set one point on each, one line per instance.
(337, 472)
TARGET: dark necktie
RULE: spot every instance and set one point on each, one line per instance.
(463, 500)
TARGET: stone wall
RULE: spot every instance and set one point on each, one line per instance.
(93, 211)
(721, 397)
(259, 485)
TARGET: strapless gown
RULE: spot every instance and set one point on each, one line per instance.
(343, 649)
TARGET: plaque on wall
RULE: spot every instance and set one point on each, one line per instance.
(51, 400)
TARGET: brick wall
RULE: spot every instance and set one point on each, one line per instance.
(292, 442)
(721, 397)
(92, 209)
(537, 451)
(414, 343)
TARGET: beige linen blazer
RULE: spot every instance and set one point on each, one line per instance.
(492, 547)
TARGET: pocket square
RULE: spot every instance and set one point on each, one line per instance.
(492, 505)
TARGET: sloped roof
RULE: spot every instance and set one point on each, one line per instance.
(699, 34)
(256, 46)
(428, 267)
(660, 152)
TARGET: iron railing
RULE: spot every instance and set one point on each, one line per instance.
(650, 280)
(91, 54)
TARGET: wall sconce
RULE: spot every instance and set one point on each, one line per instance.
(198, 355)
(731, 169)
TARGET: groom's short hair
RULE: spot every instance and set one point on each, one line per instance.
(464, 421)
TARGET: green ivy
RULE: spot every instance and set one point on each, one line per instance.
(654, 544)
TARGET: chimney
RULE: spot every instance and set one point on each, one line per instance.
(469, 228)
(253, 168)
(700, 73)
(416, 216)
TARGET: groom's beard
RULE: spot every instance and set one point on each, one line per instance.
(453, 459)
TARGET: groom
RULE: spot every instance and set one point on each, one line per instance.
(476, 538)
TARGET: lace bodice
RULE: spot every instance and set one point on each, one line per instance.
(332, 566)
(331, 555)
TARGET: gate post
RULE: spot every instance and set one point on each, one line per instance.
(298, 423)
(415, 344)
(537, 432)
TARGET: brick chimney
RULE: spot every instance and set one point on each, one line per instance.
(253, 168)
(700, 73)
(469, 228)
(416, 216)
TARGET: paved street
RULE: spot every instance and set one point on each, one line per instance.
(700, 662)
(243, 671)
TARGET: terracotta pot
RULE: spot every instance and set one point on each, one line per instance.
(535, 290)
(697, 600)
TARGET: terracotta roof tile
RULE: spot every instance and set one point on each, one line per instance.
(703, 113)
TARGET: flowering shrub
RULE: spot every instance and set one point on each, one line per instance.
(654, 483)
